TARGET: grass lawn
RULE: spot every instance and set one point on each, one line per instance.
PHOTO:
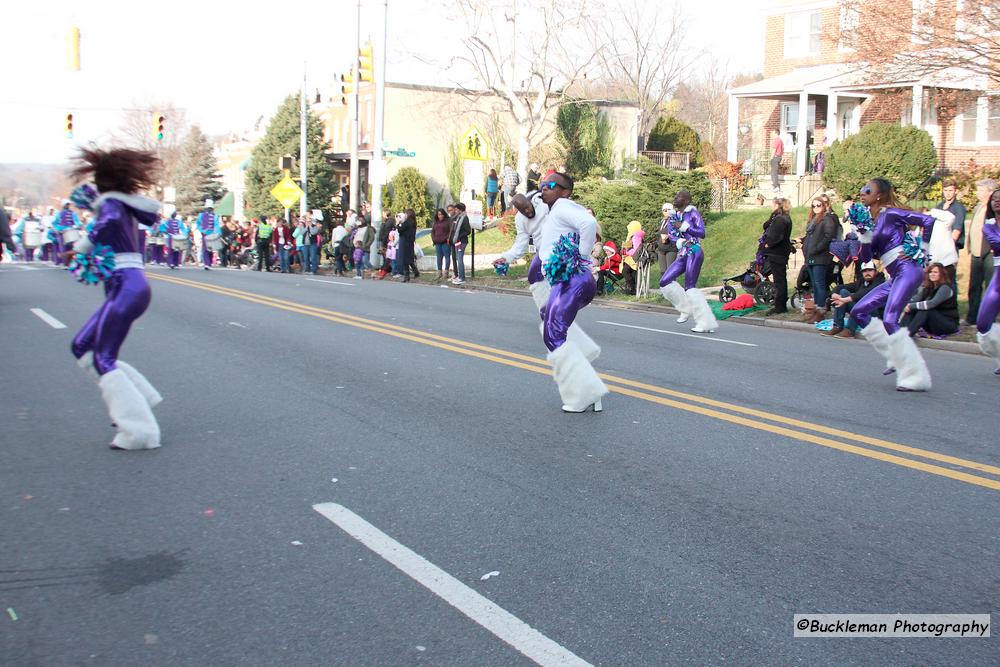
(489, 242)
(731, 241)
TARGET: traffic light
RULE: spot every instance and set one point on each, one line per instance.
(365, 63)
(158, 121)
(69, 126)
(346, 86)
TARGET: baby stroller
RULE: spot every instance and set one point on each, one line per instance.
(753, 281)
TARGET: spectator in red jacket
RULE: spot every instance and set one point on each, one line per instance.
(283, 244)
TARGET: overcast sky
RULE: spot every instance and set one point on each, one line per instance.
(227, 63)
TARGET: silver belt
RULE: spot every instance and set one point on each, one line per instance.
(996, 260)
(128, 260)
(891, 256)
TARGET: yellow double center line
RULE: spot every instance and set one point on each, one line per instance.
(862, 445)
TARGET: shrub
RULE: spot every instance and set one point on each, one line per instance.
(640, 198)
(904, 155)
(671, 134)
(408, 189)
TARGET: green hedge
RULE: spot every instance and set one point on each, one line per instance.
(904, 155)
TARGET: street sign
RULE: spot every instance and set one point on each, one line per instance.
(474, 146)
(402, 152)
(287, 192)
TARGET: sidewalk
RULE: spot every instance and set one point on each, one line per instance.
(753, 320)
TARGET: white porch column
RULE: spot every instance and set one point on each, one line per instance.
(832, 118)
(801, 133)
(917, 115)
(733, 128)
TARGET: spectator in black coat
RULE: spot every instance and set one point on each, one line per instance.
(822, 228)
(776, 247)
(407, 230)
(934, 308)
(850, 294)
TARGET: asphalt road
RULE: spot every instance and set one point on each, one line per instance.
(731, 482)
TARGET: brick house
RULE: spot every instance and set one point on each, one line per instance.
(808, 66)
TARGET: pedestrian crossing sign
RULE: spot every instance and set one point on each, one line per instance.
(287, 192)
(474, 146)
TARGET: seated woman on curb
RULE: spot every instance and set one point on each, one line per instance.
(934, 308)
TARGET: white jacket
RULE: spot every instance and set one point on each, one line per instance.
(567, 217)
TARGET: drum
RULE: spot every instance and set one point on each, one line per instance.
(214, 241)
(179, 244)
(155, 240)
(70, 235)
(32, 238)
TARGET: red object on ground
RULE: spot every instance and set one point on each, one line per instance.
(742, 302)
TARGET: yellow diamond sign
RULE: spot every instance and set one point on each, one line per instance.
(287, 192)
(474, 146)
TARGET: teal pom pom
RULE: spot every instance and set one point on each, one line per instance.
(860, 217)
(913, 247)
(565, 260)
(95, 266)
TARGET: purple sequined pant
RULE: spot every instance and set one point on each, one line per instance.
(565, 301)
(689, 265)
(893, 295)
(127, 296)
(535, 271)
(206, 254)
(989, 307)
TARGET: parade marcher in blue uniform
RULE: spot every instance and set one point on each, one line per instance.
(110, 251)
(65, 230)
(211, 231)
(176, 233)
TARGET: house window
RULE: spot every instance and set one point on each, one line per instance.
(993, 119)
(850, 19)
(790, 120)
(802, 33)
(979, 122)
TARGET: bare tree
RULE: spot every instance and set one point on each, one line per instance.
(702, 103)
(525, 56)
(136, 130)
(900, 41)
(642, 48)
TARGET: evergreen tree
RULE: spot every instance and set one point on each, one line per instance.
(585, 132)
(196, 174)
(282, 138)
(673, 135)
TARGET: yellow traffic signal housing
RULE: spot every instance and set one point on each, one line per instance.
(365, 63)
(158, 124)
(346, 86)
(69, 126)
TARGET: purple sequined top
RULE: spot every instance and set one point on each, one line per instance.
(890, 230)
(691, 227)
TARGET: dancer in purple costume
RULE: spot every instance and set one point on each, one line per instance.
(568, 228)
(886, 241)
(989, 307)
(118, 174)
(174, 229)
(686, 230)
(529, 222)
(208, 224)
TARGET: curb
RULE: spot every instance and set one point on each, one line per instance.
(946, 345)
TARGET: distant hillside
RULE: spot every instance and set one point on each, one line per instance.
(33, 185)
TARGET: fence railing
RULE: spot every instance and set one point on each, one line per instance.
(670, 160)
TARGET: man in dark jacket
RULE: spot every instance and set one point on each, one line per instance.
(460, 230)
(666, 249)
(776, 247)
(850, 294)
(5, 237)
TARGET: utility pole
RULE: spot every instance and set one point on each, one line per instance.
(355, 122)
(303, 205)
(378, 163)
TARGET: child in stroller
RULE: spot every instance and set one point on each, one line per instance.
(610, 272)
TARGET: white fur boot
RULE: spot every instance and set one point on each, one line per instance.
(989, 343)
(576, 335)
(540, 292)
(674, 293)
(137, 427)
(875, 333)
(86, 363)
(704, 319)
(579, 386)
(147, 390)
(911, 370)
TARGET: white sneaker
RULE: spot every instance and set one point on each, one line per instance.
(357, 278)
(458, 281)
